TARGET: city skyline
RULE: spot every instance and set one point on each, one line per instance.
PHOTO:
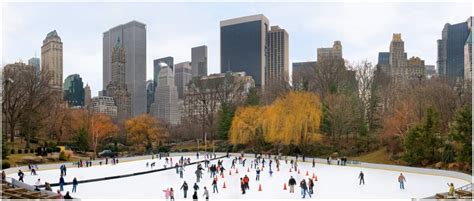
(314, 25)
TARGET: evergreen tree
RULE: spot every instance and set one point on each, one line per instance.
(423, 141)
(252, 97)
(81, 140)
(461, 130)
(226, 114)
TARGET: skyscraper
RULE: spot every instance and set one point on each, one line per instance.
(74, 91)
(199, 60)
(87, 96)
(133, 37)
(182, 76)
(52, 59)
(104, 104)
(330, 53)
(400, 68)
(156, 67)
(451, 49)
(166, 97)
(36, 63)
(117, 87)
(243, 46)
(277, 63)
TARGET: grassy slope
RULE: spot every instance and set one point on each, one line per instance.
(378, 156)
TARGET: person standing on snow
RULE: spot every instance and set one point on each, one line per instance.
(361, 178)
(198, 175)
(185, 189)
(292, 183)
(167, 193)
(171, 194)
(402, 180)
(195, 187)
(61, 183)
(246, 182)
(195, 196)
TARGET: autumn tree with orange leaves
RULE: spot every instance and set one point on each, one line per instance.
(102, 127)
(145, 131)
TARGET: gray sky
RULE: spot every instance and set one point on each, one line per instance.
(173, 28)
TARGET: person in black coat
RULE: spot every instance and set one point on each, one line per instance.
(74, 185)
(292, 183)
(185, 189)
(67, 196)
(195, 196)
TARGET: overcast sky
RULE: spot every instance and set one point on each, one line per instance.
(174, 28)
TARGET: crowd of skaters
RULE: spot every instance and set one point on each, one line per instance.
(258, 164)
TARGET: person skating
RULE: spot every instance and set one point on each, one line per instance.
(195, 187)
(47, 187)
(171, 194)
(185, 187)
(242, 185)
(195, 196)
(246, 182)
(311, 186)
(361, 178)
(181, 170)
(74, 185)
(61, 183)
(214, 186)
(167, 193)
(198, 173)
(304, 188)
(257, 178)
(206, 193)
(20, 175)
(4, 176)
(314, 163)
(292, 183)
(402, 180)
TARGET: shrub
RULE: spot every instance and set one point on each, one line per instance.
(5, 165)
(62, 156)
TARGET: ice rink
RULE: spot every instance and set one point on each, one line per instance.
(332, 181)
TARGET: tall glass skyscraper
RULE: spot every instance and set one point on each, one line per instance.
(156, 68)
(36, 63)
(74, 90)
(243, 46)
(451, 49)
(133, 37)
(199, 60)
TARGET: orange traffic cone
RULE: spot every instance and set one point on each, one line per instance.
(290, 169)
(284, 187)
(278, 169)
(248, 169)
(222, 175)
(298, 171)
(313, 175)
(224, 185)
(236, 171)
(306, 173)
(230, 172)
(260, 187)
(316, 178)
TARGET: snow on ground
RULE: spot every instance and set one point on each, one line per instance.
(333, 181)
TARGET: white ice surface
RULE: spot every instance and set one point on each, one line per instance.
(333, 182)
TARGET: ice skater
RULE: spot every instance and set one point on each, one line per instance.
(257, 178)
(292, 183)
(304, 188)
(314, 162)
(361, 178)
(242, 186)
(167, 193)
(195, 187)
(61, 183)
(20, 175)
(195, 196)
(185, 187)
(214, 186)
(171, 194)
(74, 185)
(311, 186)
(402, 180)
(246, 182)
(206, 193)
